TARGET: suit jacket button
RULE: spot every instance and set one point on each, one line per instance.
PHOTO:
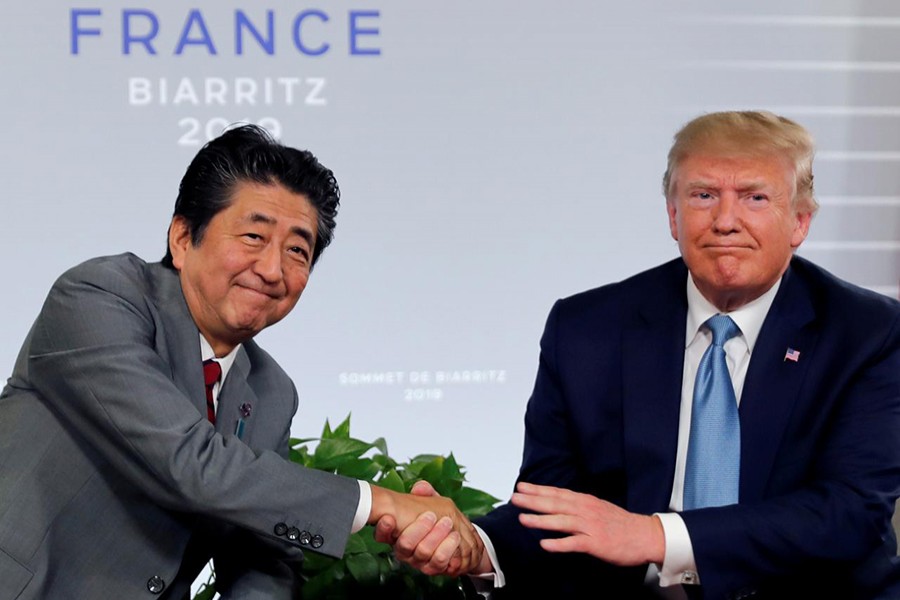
(317, 541)
(293, 533)
(156, 585)
(304, 537)
(281, 529)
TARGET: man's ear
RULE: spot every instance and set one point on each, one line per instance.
(672, 210)
(179, 240)
(801, 228)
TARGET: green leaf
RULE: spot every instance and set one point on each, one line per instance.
(363, 567)
(443, 474)
(300, 456)
(376, 548)
(411, 472)
(433, 470)
(472, 502)
(424, 459)
(384, 462)
(342, 431)
(381, 444)
(331, 453)
(298, 441)
(314, 562)
(392, 481)
(355, 544)
(361, 468)
(317, 586)
(451, 469)
(206, 592)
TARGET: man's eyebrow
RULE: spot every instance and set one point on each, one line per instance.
(754, 184)
(750, 184)
(700, 183)
(306, 234)
(261, 218)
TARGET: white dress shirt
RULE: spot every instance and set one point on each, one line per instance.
(679, 566)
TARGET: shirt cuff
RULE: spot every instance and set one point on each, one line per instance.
(678, 565)
(364, 509)
(485, 581)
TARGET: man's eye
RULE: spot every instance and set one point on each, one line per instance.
(704, 195)
(758, 197)
(253, 236)
(299, 251)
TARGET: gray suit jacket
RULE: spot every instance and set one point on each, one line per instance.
(108, 466)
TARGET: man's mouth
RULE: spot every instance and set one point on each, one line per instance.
(259, 292)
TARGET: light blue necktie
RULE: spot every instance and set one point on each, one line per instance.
(713, 465)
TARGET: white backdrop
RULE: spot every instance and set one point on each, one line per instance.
(493, 156)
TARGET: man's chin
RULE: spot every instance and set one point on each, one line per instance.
(242, 331)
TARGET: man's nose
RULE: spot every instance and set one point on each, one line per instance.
(268, 264)
(725, 213)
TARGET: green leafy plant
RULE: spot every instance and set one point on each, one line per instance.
(369, 569)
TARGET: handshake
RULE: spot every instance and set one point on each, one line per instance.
(427, 531)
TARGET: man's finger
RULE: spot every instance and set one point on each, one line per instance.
(423, 488)
(412, 536)
(537, 503)
(441, 553)
(424, 550)
(386, 530)
(563, 523)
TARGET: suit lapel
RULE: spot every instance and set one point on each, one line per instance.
(237, 399)
(653, 365)
(773, 382)
(179, 336)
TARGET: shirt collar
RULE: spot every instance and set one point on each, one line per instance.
(749, 317)
(206, 353)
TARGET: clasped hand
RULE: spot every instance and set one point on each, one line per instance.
(426, 530)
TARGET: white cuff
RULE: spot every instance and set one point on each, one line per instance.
(678, 564)
(485, 579)
(364, 508)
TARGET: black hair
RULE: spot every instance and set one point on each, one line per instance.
(249, 154)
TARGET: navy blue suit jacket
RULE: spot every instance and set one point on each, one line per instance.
(820, 439)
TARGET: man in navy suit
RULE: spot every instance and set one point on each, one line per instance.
(599, 508)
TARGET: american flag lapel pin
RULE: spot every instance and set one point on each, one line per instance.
(792, 355)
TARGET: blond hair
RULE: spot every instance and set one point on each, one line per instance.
(748, 133)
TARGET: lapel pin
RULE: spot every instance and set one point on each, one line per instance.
(792, 355)
(245, 409)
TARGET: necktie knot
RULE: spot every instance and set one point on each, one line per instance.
(211, 372)
(722, 328)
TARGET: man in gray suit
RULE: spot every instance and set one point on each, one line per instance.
(120, 475)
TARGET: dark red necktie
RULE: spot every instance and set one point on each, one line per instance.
(211, 373)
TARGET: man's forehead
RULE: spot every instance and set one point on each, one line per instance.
(268, 204)
(254, 196)
(745, 163)
(744, 171)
